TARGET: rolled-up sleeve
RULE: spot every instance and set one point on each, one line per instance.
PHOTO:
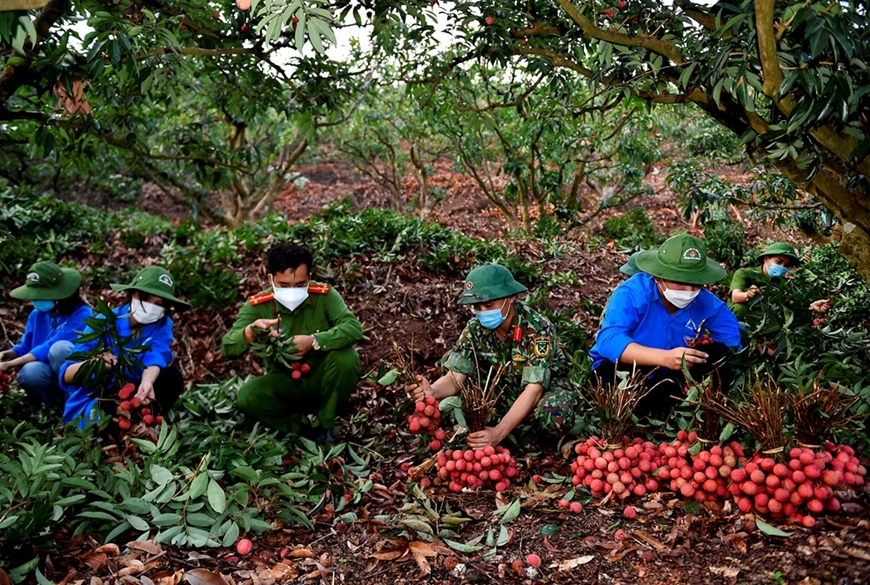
(345, 329)
(620, 320)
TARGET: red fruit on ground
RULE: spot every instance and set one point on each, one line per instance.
(815, 506)
(564, 504)
(576, 507)
(630, 512)
(244, 546)
(405, 466)
(296, 375)
(435, 445)
(745, 505)
(536, 479)
(534, 560)
(780, 470)
(440, 434)
(414, 427)
(124, 423)
(808, 521)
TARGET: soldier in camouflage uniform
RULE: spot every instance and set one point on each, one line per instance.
(534, 396)
(323, 331)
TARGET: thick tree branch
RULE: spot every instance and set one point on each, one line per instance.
(664, 48)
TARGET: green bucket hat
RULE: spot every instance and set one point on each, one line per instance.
(154, 280)
(488, 283)
(46, 281)
(630, 268)
(682, 258)
(779, 249)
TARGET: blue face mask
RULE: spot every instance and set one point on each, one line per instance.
(43, 306)
(492, 318)
(776, 271)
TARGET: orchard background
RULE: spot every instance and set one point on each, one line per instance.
(555, 138)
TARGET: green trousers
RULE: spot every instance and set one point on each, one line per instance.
(280, 401)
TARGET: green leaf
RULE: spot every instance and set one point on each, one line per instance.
(69, 501)
(464, 548)
(692, 507)
(19, 573)
(509, 512)
(726, 433)
(217, 499)
(389, 377)
(42, 579)
(137, 522)
(771, 530)
(198, 485)
(231, 535)
(161, 520)
(549, 529)
(160, 474)
(137, 506)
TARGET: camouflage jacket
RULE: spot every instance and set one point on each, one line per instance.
(529, 350)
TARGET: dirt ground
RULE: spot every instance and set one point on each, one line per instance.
(663, 545)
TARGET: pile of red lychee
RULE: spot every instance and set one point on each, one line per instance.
(800, 489)
(130, 405)
(298, 369)
(704, 476)
(426, 419)
(477, 468)
(624, 471)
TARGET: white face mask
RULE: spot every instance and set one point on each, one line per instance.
(680, 298)
(144, 312)
(290, 297)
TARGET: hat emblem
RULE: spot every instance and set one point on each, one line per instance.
(165, 279)
(469, 285)
(691, 254)
(33, 277)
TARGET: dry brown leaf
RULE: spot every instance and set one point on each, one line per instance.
(422, 563)
(421, 548)
(96, 581)
(301, 553)
(131, 570)
(572, 563)
(618, 555)
(727, 572)
(110, 549)
(857, 553)
(173, 579)
(649, 539)
(392, 554)
(145, 580)
(145, 545)
(96, 560)
(203, 577)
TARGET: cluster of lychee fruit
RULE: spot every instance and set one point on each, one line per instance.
(426, 419)
(298, 369)
(801, 489)
(476, 468)
(704, 476)
(129, 405)
(623, 471)
(4, 382)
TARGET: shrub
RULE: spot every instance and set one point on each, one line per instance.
(631, 231)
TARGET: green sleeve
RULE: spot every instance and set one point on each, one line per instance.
(233, 343)
(739, 281)
(345, 329)
(460, 357)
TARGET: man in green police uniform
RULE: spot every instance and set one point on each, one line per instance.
(776, 261)
(323, 331)
(505, 331)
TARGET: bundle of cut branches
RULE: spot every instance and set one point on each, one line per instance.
(479, 395)
(404, 364)
(616, 401)
(710, 391)
(821, 411)
(762, 412)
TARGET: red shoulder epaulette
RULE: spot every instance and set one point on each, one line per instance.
(261, 298)
(318, 289)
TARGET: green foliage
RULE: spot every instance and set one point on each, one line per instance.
(631, 231)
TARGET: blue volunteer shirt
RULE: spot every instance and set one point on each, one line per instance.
(157, 336)
(635, 313)
(45, 329)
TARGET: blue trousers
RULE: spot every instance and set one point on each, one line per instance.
(39, 379)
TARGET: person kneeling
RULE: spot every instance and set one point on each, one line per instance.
(506, 333)
(58, 315)
(147, 331)
(657, 319)
(314, 322)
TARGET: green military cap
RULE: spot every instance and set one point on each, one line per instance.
(682, 258)
(779, 249)
(488, 283)
(46, 281)
(154, 280)
(630, 268)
